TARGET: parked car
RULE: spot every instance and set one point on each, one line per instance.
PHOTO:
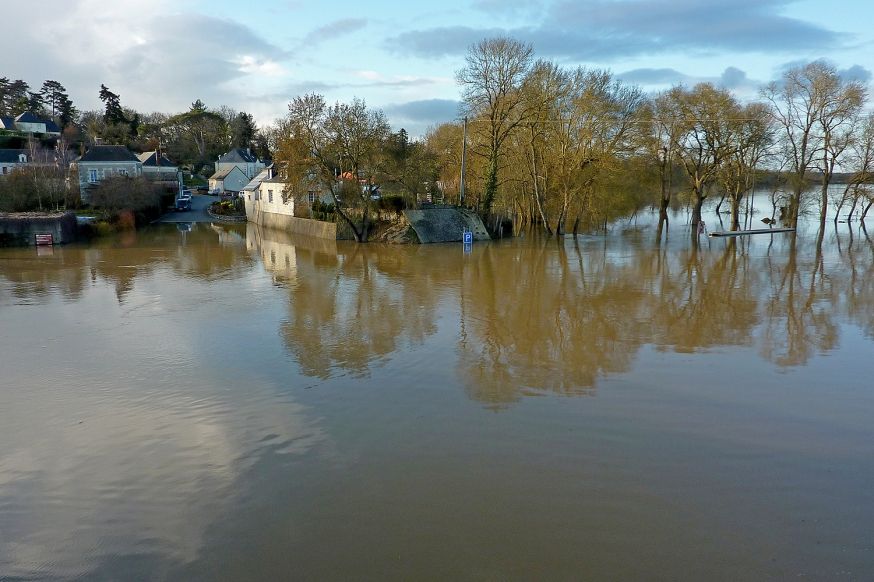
(183, 201)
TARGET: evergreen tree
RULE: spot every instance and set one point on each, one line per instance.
(243, 130)
(113, 112)
(35, 103)
(53, 96)
(66, 112)
(14, 97)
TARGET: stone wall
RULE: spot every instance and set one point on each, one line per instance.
(447, 224)
(20, 229)
(293, 224)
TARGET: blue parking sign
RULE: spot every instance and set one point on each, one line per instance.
(467, 237)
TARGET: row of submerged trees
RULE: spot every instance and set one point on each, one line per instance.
(573, 149)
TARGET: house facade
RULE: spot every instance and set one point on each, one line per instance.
(264, 194)
(229, 180)
(105, 161)
(241, 158)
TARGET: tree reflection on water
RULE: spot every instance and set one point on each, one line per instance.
(555, 316)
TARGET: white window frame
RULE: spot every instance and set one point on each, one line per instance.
(270, 196)
(311, 196)
(92, 176)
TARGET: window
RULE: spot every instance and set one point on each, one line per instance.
(5, 170)
(92, 175)
(123, 172)
(270, 196)
(22, 158)
(311, 196)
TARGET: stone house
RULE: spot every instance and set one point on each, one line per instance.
(104, 161)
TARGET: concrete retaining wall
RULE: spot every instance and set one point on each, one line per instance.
(21, 229)
(292, 224)
(435, 225)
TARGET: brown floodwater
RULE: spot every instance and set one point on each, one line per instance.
(229, 403)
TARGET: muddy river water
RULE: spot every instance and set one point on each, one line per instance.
(206, 402)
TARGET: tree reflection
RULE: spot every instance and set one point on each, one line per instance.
(350, 306)
(799, 308)
(556, 316)
(520, 317)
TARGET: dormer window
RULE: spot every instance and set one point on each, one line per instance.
(22, 158)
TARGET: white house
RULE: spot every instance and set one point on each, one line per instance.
(266, 195)
(27, 122)
(241, 158)
(104, 161)
(11, 159)
(228, 180)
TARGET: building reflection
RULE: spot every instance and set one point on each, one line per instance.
(206, 252)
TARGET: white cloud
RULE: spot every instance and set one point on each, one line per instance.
(253, 66)
(154, 57)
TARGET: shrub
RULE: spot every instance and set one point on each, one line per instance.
(119, 193)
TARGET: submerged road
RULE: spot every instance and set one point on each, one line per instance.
(199, 204)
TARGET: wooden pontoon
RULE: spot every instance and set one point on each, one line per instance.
(755, 231)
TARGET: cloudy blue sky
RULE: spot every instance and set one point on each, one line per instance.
(254, 55)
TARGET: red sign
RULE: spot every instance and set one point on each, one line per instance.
(44, 239)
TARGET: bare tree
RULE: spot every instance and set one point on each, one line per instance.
(805, 101)
(753, 136)
(706, 137)
(491, 83)
(339, 147)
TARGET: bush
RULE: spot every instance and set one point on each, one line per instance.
(113, 195)
(395, 204)
(323, 211)
(234, 207)
(33, 188)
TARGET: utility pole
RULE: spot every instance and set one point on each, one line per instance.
(463, 160)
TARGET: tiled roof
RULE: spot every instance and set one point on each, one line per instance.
(28, 117)
(253, 184)
(150, 159)
(11, 156)
(236, 156)
(109, 153)
(224, 173)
